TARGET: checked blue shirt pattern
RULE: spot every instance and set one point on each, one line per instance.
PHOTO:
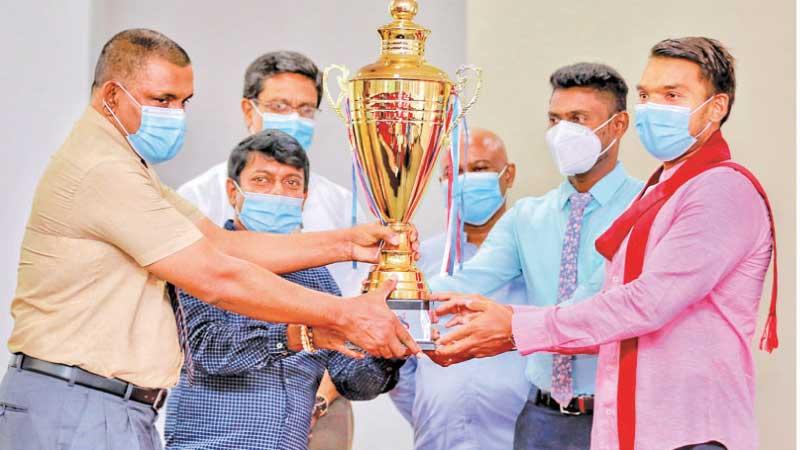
(249, 391)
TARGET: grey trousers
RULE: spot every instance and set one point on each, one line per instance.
(541, 428)
(335, 430)
(38, 412)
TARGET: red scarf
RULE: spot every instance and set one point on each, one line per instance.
(637, 220)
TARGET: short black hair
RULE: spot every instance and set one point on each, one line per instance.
(274, 144)
(275, 63)
(716, 63)
(127, 51)
(597, 76)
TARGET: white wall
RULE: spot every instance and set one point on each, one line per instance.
(45, 81)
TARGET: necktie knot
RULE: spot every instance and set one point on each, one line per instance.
(579, 200)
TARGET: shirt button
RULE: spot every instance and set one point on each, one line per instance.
(615, 279)
(279, 345)
(609, 412)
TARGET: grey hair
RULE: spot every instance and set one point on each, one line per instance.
(275, 63)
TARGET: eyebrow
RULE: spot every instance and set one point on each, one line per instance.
(566, 113)
(668, 87)
(169, 96)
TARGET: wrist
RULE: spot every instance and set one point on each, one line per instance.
(344, 250)
(293, 340)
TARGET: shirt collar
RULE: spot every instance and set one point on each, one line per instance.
(602, 191)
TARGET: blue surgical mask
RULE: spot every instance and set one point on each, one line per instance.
(160, 134)
(268, 213)
(300, 128)
(664, 129)
(481, 196)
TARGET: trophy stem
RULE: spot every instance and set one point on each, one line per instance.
(397, 261)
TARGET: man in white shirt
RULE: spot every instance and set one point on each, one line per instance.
(283, 90)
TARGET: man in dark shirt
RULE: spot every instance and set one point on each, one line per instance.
(251, 384)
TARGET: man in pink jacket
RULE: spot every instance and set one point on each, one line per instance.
(674, 322)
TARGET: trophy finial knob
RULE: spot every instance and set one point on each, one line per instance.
(403, 9)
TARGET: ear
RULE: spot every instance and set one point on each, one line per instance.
(252, 118)
(510, 175)
(719, 107)
(109, 93)
(230, 188)
(620, 123)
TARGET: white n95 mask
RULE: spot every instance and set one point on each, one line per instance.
(575, 148)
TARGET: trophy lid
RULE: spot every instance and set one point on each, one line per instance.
(402, 49)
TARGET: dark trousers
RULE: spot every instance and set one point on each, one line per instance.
(541, 428)
(706, 446)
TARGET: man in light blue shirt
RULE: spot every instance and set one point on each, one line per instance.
(549, 241)
(472, 405)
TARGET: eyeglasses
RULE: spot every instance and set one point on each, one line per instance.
(280, 107)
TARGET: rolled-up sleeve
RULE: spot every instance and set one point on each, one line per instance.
(496, 263)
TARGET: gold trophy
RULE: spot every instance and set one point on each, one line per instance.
(399, 112)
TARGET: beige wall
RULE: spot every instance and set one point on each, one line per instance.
(520, 43)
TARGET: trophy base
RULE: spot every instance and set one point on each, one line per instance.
(415, 315)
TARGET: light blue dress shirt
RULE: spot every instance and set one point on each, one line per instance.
(527, 241)
(469, 406)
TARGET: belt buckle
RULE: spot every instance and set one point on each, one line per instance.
(159, 401)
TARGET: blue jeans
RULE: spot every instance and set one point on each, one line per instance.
(541, 428)
(38, 412)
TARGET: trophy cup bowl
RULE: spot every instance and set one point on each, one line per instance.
(399, 112)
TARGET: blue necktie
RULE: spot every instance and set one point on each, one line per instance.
(561, 390)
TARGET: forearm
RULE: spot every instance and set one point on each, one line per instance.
(247, 289)
(282, 253)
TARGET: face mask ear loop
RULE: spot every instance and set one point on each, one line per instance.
(605, 123)
(708, 125)
(702, 104)
(238, 188)
(116, 119)
(608, 147)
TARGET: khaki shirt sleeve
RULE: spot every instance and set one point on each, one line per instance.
(184, 206)
(119, 203)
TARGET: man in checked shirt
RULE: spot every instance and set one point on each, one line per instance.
(253, 386)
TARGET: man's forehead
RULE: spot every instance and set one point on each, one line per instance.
(580, 100)
(485, 146)
(671, 73)
(160, 75)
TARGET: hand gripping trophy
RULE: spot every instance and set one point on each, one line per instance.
(399, 112)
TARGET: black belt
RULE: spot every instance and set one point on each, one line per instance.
(152, 397)
(578, 406)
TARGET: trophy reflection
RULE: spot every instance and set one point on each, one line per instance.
(399, 112)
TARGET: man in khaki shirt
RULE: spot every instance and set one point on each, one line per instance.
(94, 335)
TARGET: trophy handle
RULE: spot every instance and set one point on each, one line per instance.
(342, 82)
(461, 83)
